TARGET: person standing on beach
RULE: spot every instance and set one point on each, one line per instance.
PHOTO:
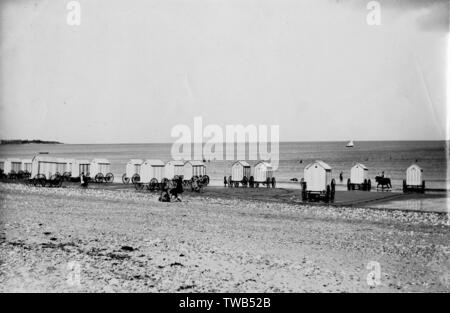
(83, 180)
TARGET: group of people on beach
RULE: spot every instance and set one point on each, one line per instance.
(169, 193)
(341, 175)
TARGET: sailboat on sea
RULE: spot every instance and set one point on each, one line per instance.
(350, 144)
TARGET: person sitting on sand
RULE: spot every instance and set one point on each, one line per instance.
(174, 192)
(164, 197)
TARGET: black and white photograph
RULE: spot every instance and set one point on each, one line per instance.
(199, 147)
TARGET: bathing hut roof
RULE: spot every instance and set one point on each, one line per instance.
(361, 165)
(13, 160)
(243, 163)
(321, 164)
(415, 165)
(102, 161)
(45, 158)
(154, 162)
(195, 163)
(176, 162)
(267, 164)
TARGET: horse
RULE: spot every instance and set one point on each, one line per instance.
(383, 181)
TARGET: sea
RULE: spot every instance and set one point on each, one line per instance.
(390, 157)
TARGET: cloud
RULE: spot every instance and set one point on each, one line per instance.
(435, 17)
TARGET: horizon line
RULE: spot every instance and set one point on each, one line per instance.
(224, 142)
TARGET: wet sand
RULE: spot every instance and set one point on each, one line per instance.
(124, 240)
(374, 199)
(356, 198)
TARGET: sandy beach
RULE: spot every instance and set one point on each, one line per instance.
(120, 240)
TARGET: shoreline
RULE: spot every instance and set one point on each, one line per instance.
(376, 200)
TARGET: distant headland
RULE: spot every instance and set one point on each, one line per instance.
(26, 141)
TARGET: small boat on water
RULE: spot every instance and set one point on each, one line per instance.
(350, 144)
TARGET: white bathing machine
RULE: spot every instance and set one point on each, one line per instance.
(101, 171)
(12, 167)
(132, 171)
(44, 167)
(25, 172)
(151, 175)
(44, 170)
(80, 166)
(61, 166)
(174, 168)
(318, 181)
(359, 178)
(195, 175)
(240, 173)
(263, 174)
(414, 179)
(194, 169)
(26, 166)
(69, 165)
(152, 170)
(65, 168)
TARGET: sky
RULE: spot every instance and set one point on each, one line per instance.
(133, 70)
